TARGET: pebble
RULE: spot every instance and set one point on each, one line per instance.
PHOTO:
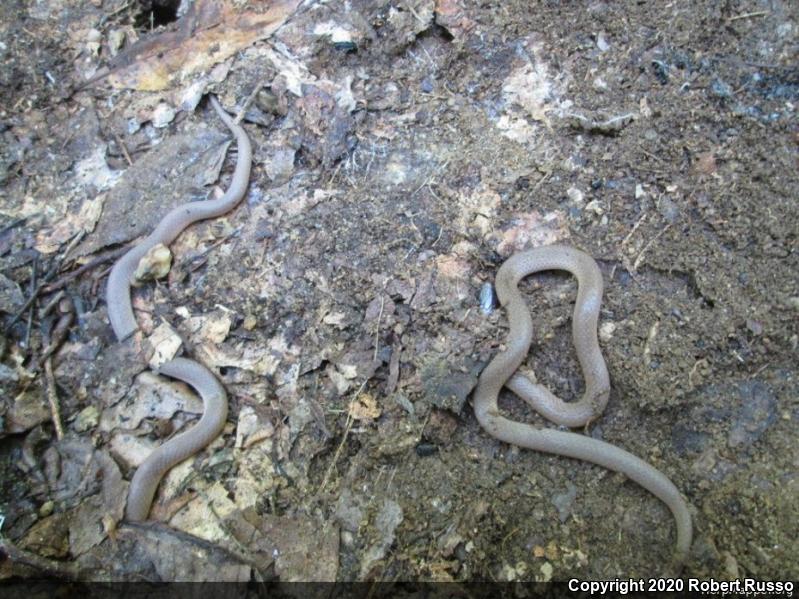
(720, 89)
(487, 301)
(163, 115)
(563, 501)
(46, 509)
(86, 419)
(757, 412)
(155, 264)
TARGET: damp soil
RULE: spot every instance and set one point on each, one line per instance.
(421, 148)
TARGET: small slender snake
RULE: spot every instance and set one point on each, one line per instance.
(120, 313)
(500, 372)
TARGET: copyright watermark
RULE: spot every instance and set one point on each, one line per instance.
(711, 586)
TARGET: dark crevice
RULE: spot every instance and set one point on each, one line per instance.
(157, 13)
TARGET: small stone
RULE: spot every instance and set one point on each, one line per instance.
(754, 326)
(46, 509)
(163, 115)
(347, 538)
(596, 207)
(155, 264)
(115, 40)
(546, 572)
(86, 419)
(575, 195)
(249, 322)
(606, 330)
(281, 166)
(552, 551)
(487, 298)
(721, 89)
(507, 574)
(8, 375)
(564, 501)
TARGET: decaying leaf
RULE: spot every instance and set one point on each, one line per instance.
(153, 552)
(364, 407)
(300, 547)
(210, 32)
(166, 343)
(155, 397)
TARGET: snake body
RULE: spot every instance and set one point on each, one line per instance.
(120, 313)
(501, 372)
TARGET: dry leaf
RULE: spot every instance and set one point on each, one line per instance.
(705, 163)
(166, 343)
(364, 407)
(210, 32)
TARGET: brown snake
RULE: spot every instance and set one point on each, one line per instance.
(501, 372)
(120, 313)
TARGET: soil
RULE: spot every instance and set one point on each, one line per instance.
(397, 164)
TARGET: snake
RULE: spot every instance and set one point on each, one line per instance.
(149, 474)
(501, 372)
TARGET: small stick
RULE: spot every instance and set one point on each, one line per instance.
(258, 87)
(12, 225)
(50, 305)
(749, 15)
(34, 292)
(325, 480)
(629, 235)
(640, 257)
(340, 447)
(122, 148)
(56, 337)
(73, 243)
(52, 398)
(8, 551)
(102, 259)
(377, 327)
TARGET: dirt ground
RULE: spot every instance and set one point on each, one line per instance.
(402, 150)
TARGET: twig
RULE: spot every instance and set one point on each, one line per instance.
(258, 87)
(190, 261)
(640, 257)
(30, 307)
(50, 305)
(24, 307)
(73, 243)
(629, 235)
(416, 15)
(56, 337)
(102, 259)
(377, 327)
(105, 18)
(13, 224)
(340, 447)
(122, 148)
(42, 564)
(332, 465)
(38, 289)
(52, 398)
(610, 127)
(749, 15)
